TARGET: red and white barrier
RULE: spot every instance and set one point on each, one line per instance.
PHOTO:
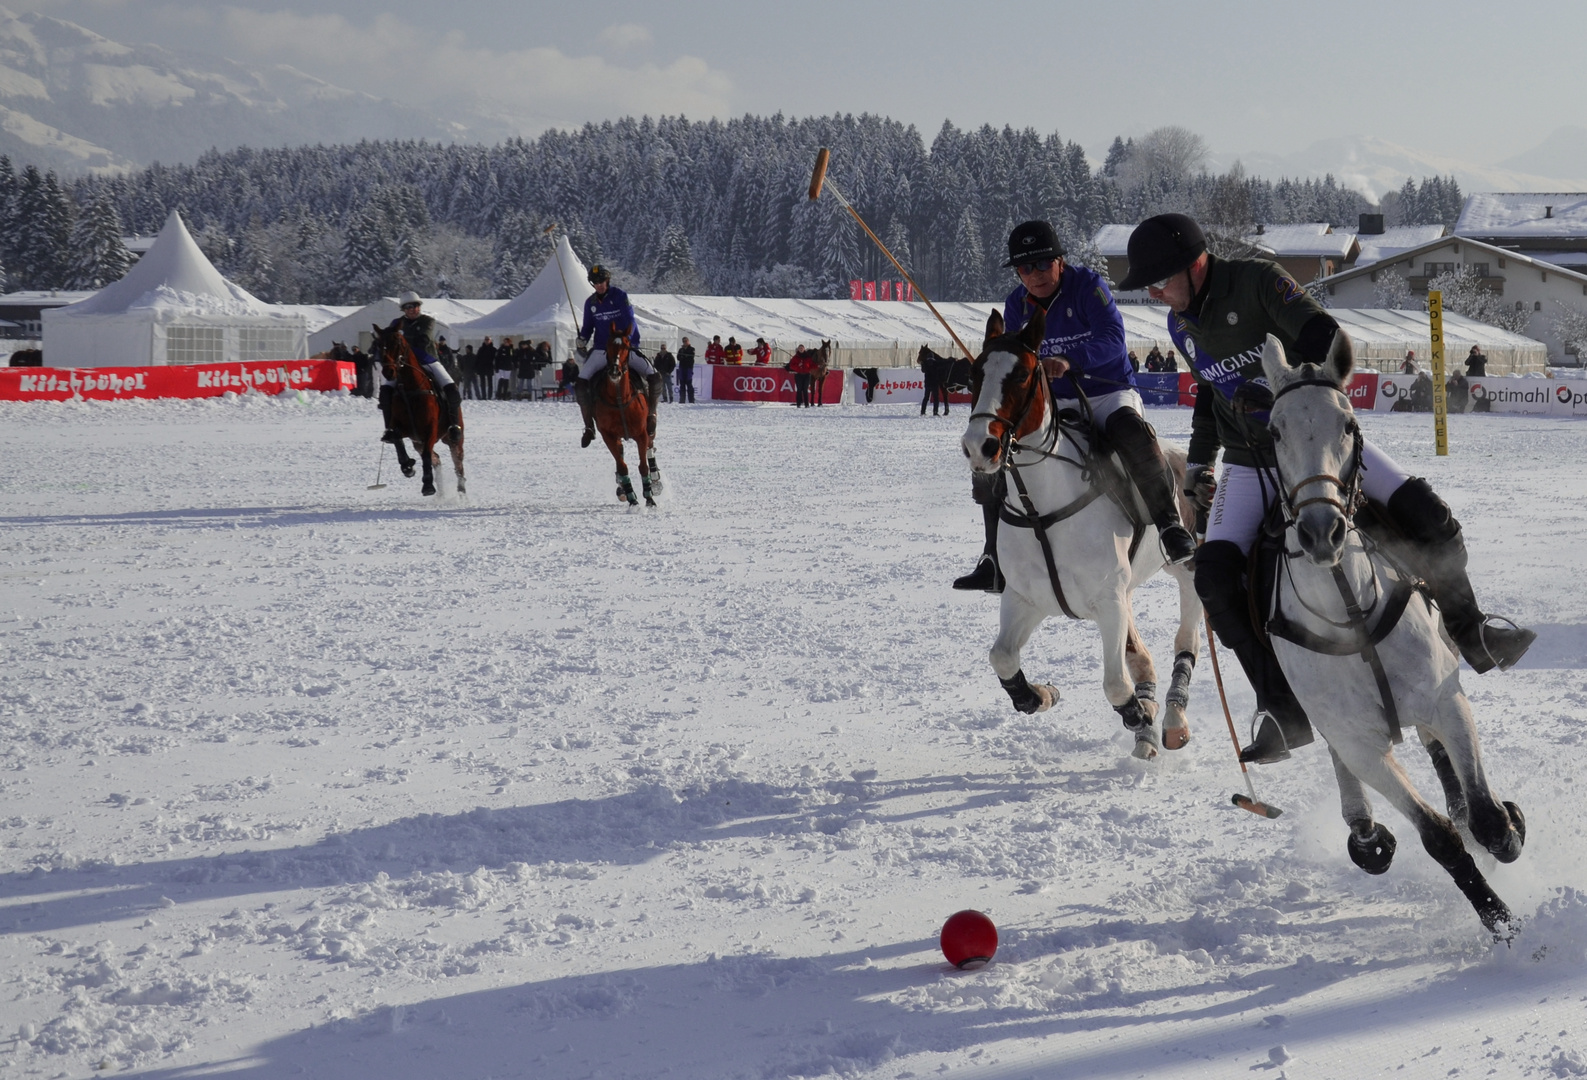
(733, 382)
(175, 380)
(899, 384)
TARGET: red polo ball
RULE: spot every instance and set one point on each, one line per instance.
(968, 937)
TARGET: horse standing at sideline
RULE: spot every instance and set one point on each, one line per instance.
(934, 370)
(622, 414)
(415, 410)
(1065, 509)
(1341, 599)
(820, 359)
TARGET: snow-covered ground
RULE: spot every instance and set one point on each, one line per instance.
(300, 778)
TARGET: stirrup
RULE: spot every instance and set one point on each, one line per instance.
(1268, 745)
(1498, 646)
(1177, 544)
(986, 577)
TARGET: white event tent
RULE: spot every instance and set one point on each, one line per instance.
(356, 326)
(550, 310)
(172, 307)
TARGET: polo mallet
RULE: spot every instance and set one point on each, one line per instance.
(381, 464)
(573, 310)
(1249, 800)
(818, 178)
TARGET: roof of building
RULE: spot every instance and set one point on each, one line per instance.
(1413, 253)
(1113, 240)
(1394, 241)
(1524, 214)
(1309, 239)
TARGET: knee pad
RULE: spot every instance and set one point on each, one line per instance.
(1127, 424)
(1220, 576)
(1420, 514)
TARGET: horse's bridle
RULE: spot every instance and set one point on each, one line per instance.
(1008, 445)
(1349, 489)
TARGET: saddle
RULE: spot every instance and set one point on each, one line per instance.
(1109, 475)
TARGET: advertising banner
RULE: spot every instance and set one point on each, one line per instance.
(1158, 387)
(766, 384)
(174, 381)
(900, 384)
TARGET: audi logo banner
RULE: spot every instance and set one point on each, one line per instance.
(729, 383)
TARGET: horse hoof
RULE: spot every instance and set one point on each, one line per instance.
(409, 471)
(1373, 852)
(1175, 738)
(429, 489)
(1145, 747)
(649, 501)
(461, 489)
(1508, 848)
(1047, 694)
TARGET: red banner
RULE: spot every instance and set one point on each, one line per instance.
(884, 290)
(870, 290)
(174, 381)
(856, 289)
(767, 384)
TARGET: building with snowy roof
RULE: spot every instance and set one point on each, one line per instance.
(1550, 226)
(1388, 243)
(1543, 289)
(172, 307)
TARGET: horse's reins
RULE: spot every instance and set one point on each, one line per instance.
(1365, 644)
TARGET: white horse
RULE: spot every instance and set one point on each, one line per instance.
(1065, 547)
(1360, 650)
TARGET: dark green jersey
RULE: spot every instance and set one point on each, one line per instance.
(1244, 300)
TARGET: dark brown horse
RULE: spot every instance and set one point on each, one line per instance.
(621, 413)
(820, 359)
(415, 410)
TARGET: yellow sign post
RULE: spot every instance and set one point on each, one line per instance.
(1435, 323)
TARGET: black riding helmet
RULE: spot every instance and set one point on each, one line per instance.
(1032, 242)
(598, 274)
(1161, 247)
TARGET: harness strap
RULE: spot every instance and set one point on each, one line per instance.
(1369, 652)
(1040, 523)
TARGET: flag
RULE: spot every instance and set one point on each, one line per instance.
(870, 290)
(855, 290)
(884, 290)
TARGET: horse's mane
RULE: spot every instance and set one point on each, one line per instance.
(405, 360)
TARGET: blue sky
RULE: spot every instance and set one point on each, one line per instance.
(1480, 81)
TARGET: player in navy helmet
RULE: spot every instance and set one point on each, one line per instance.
(604, 308)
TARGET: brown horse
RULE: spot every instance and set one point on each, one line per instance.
(818, 374)
(415, 410)
(620, 414)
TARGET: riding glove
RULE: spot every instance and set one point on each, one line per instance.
(1200, 485)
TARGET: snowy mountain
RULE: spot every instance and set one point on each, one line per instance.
(73, 100)
(1375, 165)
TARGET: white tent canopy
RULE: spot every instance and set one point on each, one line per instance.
(551, 308)
(357, 327)
(172, 307)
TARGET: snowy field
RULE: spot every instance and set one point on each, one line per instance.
(303, 779)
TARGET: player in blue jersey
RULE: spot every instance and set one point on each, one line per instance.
(608, 306)
(1084, 353)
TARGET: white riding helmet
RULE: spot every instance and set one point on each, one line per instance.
(409, 297)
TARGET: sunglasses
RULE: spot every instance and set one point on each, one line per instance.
(409, 307)
(1161, 285)
(1035, 267)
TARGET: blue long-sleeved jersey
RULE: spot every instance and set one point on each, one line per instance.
(1083, 325)
(600, 312)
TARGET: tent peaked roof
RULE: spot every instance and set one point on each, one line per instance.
(562, 276)
(178, 274)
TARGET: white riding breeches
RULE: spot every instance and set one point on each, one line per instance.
(1245, 493)
(438, 375)
(1105, 405)
(596, 361)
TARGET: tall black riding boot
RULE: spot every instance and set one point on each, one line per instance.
(584, 394)
(988, 492)
(1440, 556)
(1220, 582)
(653, 396)
(451, 410)
(1137, 447)
(390, 434)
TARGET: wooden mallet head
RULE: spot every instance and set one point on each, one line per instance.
(819, 176)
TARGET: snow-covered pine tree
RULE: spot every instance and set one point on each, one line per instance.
(43, 232)
(1393, 292)
(1466, 294)
(675, 270)
(967, 271)
(97, 256)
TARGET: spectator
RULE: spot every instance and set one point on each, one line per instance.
(665, 362)
(570, 375)
(448, 357)
(686, 372)
(1457, 393)
(1135, 363)
(713, 351)
(734, 353)
(800, 366)
(1171, 361)
(1477, 363)
(466, 361)
(503, 372)
(485, 368)
(364, 365)
(1154, 359)
(523, 362)
(1408, 366)
(761, 352)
